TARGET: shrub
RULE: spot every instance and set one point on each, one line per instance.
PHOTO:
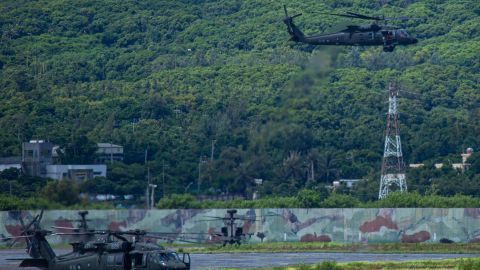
(178, 201)
(308, 198)
(64, 192)
(469, 264)
(327, 265)
(340, 201)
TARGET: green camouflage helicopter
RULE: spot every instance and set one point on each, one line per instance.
(110, 250)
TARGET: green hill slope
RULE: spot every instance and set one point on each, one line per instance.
(175, 77)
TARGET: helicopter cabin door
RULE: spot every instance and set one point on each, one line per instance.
(186, 260)
(115, 261)
(138, 260)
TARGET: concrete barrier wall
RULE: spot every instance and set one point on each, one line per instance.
(322, 225)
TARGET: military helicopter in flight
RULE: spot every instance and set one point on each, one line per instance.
(373, 34)
(111, 250)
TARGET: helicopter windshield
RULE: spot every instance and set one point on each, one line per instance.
(160, 257)
(402, 33)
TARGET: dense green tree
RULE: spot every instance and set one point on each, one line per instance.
(176, 81)
(80, 150)
(64, 192)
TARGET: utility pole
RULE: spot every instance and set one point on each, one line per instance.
(393, 168)
(147, 193)
(163, 178)
(200, 161)
(111, 152)
(199, 174)
(312, 169)
(213, 149)
(134, 122)
(152, 199)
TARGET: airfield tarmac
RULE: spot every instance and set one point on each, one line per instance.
(253, 260)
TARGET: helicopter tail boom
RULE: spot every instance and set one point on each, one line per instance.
(37, 246)
(39, 263)
(292, 29)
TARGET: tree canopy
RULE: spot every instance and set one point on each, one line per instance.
(216, 95)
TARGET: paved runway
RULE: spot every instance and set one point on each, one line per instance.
(251, 260)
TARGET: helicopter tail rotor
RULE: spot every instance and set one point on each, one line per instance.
(37, 246)
(292, 29)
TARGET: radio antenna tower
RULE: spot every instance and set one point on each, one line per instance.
(393, 169)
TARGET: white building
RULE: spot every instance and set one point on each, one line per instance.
(76, 172)
(348, 182)
(10, 162)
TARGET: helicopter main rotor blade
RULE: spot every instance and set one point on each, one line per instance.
(341, 15)
(207, 220)
(85, 233)
(77, 220)
(169, 233)
(248, 219)
(29, 224)
(400, 19)
(365, 17)
(171, 239)
(296, 15)
(64, 228)
(392, 27)
(15, 237)
(13, 242)
(40, 217)
(214, 217)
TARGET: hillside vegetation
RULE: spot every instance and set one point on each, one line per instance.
(176, 77)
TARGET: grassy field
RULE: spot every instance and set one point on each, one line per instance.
(335, 247)
(430, 248)
(459, 264)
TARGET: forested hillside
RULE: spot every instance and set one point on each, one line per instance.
(176, 77)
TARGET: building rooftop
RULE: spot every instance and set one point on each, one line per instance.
(104, 145)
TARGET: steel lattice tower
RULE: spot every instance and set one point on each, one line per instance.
(393, 169)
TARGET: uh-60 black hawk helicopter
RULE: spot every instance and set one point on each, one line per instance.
(367, 35)
(110, 250)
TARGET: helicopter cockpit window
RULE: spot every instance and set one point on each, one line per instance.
(402, 33)
(164, 257)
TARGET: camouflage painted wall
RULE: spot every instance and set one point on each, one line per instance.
(323, 225)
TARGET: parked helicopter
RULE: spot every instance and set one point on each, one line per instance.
(82, 227)
(110, 250)
(368, 35)
(232, 232)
